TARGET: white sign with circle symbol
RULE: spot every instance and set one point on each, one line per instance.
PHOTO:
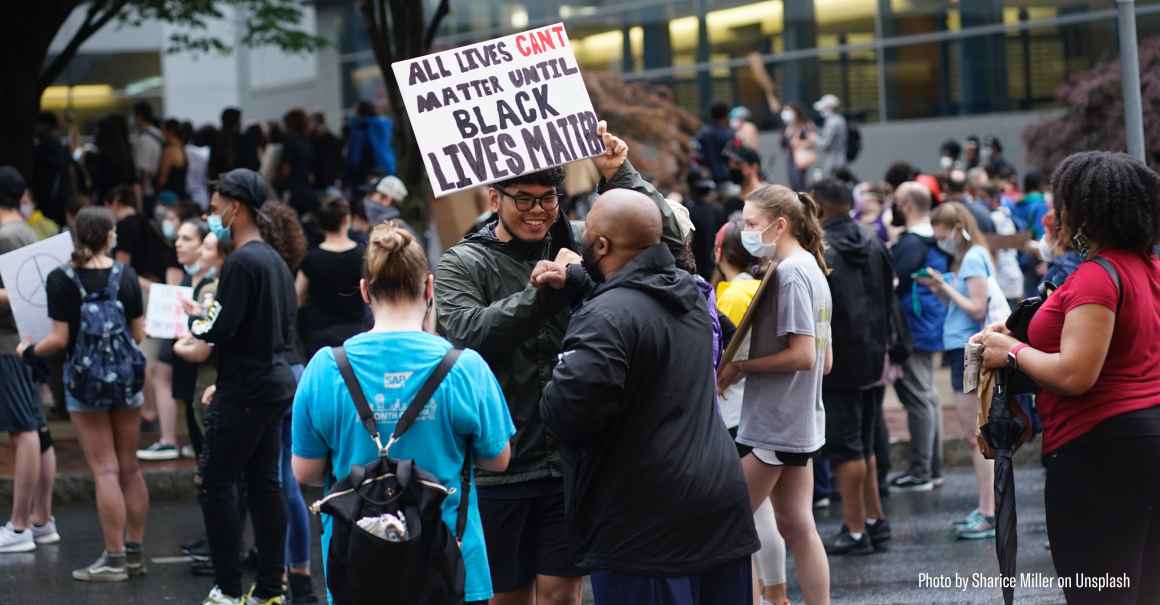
(24, 272)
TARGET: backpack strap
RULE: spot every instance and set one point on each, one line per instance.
(114, 284)
(72, 274)
(365, 415)
(1115, 275)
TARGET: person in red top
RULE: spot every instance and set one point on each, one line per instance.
(1095, 351)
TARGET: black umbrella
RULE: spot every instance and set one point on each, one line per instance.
(1002, 432)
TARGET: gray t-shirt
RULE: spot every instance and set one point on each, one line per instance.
(783, 411)
(12, 236)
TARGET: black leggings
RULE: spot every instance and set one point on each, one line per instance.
(1103, 511)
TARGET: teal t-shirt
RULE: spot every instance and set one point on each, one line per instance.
(391, 366)
(959, 327)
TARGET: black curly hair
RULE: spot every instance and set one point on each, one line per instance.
(1112, 198)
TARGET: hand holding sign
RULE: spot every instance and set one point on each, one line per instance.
(615, 151)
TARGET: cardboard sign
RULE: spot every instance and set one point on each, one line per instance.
(25, 271)
(743, 329)
(498, 109)
(165, 318)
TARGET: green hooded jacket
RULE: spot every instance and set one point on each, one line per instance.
(486, 302)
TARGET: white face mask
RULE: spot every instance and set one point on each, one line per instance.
(787, 116)
(950, 245)
(751, 240)
(26, 209)
(946, 162)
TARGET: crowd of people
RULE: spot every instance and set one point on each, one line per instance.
(656, 392)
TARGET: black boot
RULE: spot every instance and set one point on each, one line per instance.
(301, 589)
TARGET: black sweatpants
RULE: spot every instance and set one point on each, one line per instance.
(244, 442)
(1103, 514)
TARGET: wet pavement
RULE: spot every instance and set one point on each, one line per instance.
(923, 544)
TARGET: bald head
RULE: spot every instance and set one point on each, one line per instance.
(628, 218)
(622, 224)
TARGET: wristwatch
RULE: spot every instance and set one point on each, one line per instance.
(1013, 356)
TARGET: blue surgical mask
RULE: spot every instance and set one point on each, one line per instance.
(192, 269)
(751, 240)
(211, 273)
(219, 230)
(169, 231)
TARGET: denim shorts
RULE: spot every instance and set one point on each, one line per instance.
(75, 405)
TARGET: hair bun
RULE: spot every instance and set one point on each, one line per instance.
(390, 237)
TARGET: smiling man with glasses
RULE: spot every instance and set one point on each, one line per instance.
(487, 301)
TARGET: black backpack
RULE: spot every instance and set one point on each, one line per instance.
(106, 368)
(853, 140)
(425, 565)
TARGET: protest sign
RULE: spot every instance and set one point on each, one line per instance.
(24, 272)
(498, 109)
(165, 318)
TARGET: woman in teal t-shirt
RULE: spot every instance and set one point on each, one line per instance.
(965, 293)
(391, 362)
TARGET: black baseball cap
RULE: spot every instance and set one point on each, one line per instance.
(11, 185)
(742, 153)
(244, 185)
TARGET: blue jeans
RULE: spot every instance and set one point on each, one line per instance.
(297, 517)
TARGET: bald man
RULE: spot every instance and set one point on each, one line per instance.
(656, 500)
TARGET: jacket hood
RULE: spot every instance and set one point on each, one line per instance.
(848, 239)
(655, 273)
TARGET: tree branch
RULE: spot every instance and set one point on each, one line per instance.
(94, 21)
(440, 12)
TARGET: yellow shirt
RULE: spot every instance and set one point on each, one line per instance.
(43, 226)
(734, 297)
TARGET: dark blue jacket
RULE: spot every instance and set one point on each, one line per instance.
(922, 308)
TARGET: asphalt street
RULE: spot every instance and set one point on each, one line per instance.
(923, 544)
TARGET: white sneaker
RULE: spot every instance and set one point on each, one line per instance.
(46, 534)
(159, 452)
(188, 452)
(217, 598)
(11, 541)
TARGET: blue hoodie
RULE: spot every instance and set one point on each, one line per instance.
(922, 308)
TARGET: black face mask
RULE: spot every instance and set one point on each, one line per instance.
(589, 261)
(736, 176)
(898, 219)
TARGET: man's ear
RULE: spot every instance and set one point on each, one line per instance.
(493, 199)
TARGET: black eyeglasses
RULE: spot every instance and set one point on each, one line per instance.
(524, 202)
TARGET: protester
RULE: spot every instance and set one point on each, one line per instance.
(52, 184)
(107, 424)
(1028, 210)
(1092, 351)
(798, 141)
(197, 150)
(486, 303)
(142, 246)
(640, 322)
(871, 202)
(949, 154)
(991, 158)
(111, 164)
(925, 314)
(971, 152)
(21, 414)
(369, 148)
(734, 295)
(862, 286)
(295, 174)
(1061, 259)
(967, 190)
(382, 205)
(707, 217)
(469, 416)
(171, 176)
(190, 239)
(232, 149)
(330, 309)
(965, 292)
(1008, 273)
(782, 417)
(326, 150)
(833, 139)
(744, 171)
(744, 130)
(249, 323)
(713, 138)
(148, 144)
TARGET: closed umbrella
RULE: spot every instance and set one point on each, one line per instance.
(1003, 432)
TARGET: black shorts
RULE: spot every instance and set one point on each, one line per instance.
(20, 406)
(526, 533)
(852, 423)
(772, 457)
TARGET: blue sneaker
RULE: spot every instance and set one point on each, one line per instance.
(972, 518)
(982, 529)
